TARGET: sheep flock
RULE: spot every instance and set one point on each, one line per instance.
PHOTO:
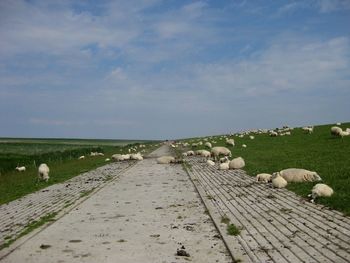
(218, 152)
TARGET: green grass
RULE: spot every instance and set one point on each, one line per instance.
(29, 228)
(320, 152)
(63, 166)
(233, 230)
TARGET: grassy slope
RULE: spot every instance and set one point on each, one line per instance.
(319, 152)
(14, 185)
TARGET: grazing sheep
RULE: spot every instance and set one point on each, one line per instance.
(251, 137)
(210, 162)
(320, 190)
(190, 153)
(20, 169)
(278, 181)
(107, 160)
(230, 142)
(43, 172)
(308, 129)
(184, 154)
(165, 159)
(338, 123)
(264, 177)
(217, 151)
(81, 157)
(244, 145)
(273, 134)
(208, 144)
(237, 163)
(204, 153)
(299, 175)
(336, 131)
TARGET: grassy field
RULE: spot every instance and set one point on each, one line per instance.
(320, 152)
(61, 157)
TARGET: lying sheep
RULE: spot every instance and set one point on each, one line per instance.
(43, 172)
(299, 175)
(165, 159)
(204, 153)
(264, 177)
(218, 150)
(278, 181)
(320, 190)
(210, 162)
(223, 159)
(20, 169)
(237, 163)
(224, 166)
(120, 157)
(136, 156)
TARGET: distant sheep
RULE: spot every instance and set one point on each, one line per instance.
(107, 160)
(167, 159)
(217, 151)
(43, 172)
(237, 163)
(299, 175)
(190, 153)
(251, 137)
(264, 177)
(81, 157)
(230, 142)
(308, 129)
(244, 145)
(136, 156)
(320, 190)
(273, 134)
(278, 181)
(336, 131)
(20, 169)
(208, 144)
(120, 157)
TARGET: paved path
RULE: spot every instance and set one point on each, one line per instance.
(277, 225)
(145, 215)
(16, 215)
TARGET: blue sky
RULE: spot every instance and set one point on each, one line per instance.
(152, 69)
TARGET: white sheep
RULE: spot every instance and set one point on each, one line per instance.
(224, 166)
(20, 169)
(218, 150)
(278, 181)
(299, 175)
(308, 129)
(136, 156)
(251, 137)
(81, 157)
(210, 162)
(320, 190)
(338, 123)
(165, 159)
(264, 177)
(190, 153)
(237, 163)
(107, 160)
(223, 159)
(273, 134)
(336, 131)
(208, 144)
(120, 157)
(205, 153)
(230, 142)
(43, 172)
(244, 145)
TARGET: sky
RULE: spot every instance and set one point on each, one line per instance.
(153, 69)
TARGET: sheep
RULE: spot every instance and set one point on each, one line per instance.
(308, 129)
(237, 163)
(81, 157)
(184, 154)
(273, 134)
(320, 190)
(336, 131)
(208, 144)
(118, 157)
(251, 137)
(338, 123)
(230, 142)
(210, 162)
(20, 169)
(136, 156)
(217, 151)
(189, 153)
(299, 175)
(165, 159)
(204, 153)
(223, 159)
(278, 181)
(43, 172)
(244, 145)
(264, 177)
(224, 166)
(107, 160)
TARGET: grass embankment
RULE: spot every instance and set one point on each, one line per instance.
(319, 151)
(63, 166)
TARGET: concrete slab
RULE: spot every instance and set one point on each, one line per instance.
(148, 214)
